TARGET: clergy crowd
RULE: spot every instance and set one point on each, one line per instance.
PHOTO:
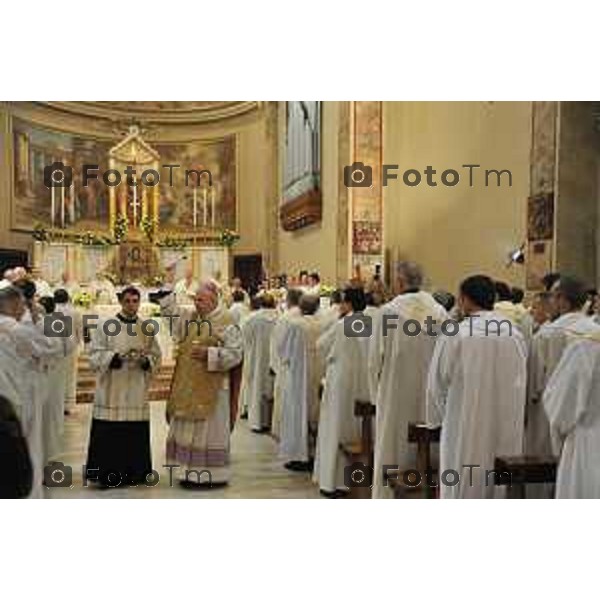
(499, 376)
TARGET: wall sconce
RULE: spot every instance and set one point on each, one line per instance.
(517, 256)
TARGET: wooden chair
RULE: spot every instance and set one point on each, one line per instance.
(518, 471)
(423, 435)
(361, 451)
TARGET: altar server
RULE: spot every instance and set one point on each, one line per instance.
(119, 447)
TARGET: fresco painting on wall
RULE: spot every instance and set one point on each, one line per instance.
(34, 149)
(88, 207)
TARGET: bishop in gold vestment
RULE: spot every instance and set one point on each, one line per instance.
(209, 345)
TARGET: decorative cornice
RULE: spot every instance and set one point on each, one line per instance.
(156, 112)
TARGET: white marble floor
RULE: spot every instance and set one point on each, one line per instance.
(256, 470)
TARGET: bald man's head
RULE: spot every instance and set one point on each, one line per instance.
(12, 302)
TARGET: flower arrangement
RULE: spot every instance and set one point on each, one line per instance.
(228, 237)
(82, 299)
(326, 291)
(120, 229)
(91, 239)
(149, 225)
(40, 233)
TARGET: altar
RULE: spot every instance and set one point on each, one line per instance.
(83, 265)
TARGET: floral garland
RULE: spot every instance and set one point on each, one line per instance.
(148, 225)
(40, 233)
(91, 239)
(120, 229)
(173, 243)
(228, 238)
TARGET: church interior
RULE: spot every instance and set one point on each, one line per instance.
(259, 194)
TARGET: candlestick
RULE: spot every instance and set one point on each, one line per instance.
(62, 207)
(72, 205)
(144, 203)
(195, 206)
(134, 203)
(212, 207)
(204, 207)
(52, 204)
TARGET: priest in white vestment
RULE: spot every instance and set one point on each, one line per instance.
(124, 353)
(291, 311)
(38, 350)
(568, 296)
(8, 278)
(541, 310)
(13, 359)
(297, 350)
(65, 306)
(398, 365)
(236, 286)
(476, 392)
(42, 287)
(572, 403)
(517, 313)
(346, 381)
(186, 288)
(209, 346)
(53, 415)
(329, 319)
(239, 308)
(257, 381)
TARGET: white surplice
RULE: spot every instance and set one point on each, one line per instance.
(546, 350)
(13, 370)
(121, 394)
(572, 402)
(346, 381)
(54, 407)
(239, 312)
(398, 365)
(476, 392)
(519, 315)
(278, 367)
(257, 382)
(40, 350)
(297, 350)
(72, 360)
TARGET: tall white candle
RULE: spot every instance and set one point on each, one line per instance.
(62, 207)
(212, 207)
(72, 205)
(52, 204)
(134, 203)
(195, 206)
(204, 207)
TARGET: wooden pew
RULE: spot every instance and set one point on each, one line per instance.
(361, 451)
(423, 435)
(518, 471)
